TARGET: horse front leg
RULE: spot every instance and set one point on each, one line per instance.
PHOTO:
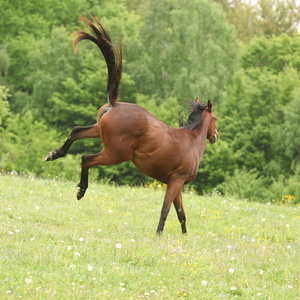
(180, 211)
(76, 134)
(173, 189)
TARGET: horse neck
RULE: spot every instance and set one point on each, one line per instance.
(200, 133)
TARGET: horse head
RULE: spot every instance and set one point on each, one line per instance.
(212, 133)
(195, 116)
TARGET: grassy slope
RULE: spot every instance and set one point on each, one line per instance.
(53, 246)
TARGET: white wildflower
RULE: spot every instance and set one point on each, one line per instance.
(204, 283)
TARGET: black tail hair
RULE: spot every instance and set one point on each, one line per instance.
(112, 55)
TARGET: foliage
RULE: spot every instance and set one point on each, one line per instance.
(23, 145)
(4, 63)
(288, 132)
(283, 187)
(273, 54)
(246, 184)
(259, 116)
(264, 18)
(181, 40)
(4, 105)
(218, 163)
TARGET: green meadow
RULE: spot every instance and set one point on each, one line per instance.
(105, 246)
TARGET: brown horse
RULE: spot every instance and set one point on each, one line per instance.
(129, 132)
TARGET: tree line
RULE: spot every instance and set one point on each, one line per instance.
(244, 58)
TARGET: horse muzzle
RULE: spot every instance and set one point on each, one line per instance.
(214, 137)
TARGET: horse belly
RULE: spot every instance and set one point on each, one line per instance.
(157, 160)
(152, 169)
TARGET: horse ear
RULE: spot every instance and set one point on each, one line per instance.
(209, 106)
(197, 100)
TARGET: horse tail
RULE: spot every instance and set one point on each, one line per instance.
(112, 55)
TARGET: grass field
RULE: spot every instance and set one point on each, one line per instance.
(105, 247)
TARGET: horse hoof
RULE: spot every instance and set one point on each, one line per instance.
(49, 156)
(80, 193)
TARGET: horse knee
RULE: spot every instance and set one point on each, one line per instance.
(88, 161)
(74, 133)
(84, 160)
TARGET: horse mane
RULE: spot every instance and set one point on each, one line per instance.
(194, 117)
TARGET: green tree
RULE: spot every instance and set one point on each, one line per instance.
(23, 146)
(256, 105)
(218, 163)
(187, 50)
(4, 106)
(276, 17)
(36, 18)
(288, 133)
(264, 18)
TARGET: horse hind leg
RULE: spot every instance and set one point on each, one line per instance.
(77, 133)
(103, 158)
(180, 212)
